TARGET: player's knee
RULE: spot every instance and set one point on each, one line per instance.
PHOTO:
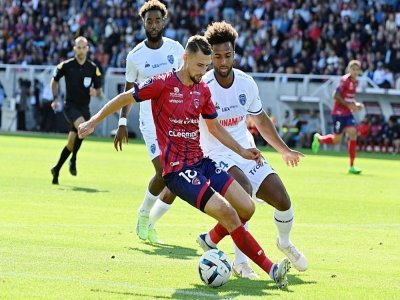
(283, 202)
(249, 210)
(167, 196)
(230, 218)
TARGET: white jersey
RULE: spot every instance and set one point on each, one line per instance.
(143, 62)
(233, 104)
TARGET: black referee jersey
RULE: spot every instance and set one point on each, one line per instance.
(78, 80)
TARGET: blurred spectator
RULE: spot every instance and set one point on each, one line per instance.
(290, 129)
(22, 96)
(375, 137)
(47, 123)
(390, 132)
(362, 134)
(308, 130)
(3, 97)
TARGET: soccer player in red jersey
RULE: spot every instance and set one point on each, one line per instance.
(342, 115)
(178, 99)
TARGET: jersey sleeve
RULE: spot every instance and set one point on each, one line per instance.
(131, 72)
(97, 78)
(342, 85)
(150, 88)
(255, 107)
(59, 71)
(208, 111)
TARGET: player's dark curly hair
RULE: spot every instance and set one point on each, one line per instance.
(221, 32)
(153, 5)
(196, 43)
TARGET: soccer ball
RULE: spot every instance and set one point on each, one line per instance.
(214, 268)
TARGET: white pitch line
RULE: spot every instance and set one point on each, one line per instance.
(108, 284)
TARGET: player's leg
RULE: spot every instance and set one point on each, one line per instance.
(351, 132)
(76, 145)
(226, 215)
(272, 191)
(160, 208)
(241, 267)
(329, 139)
(156, 185)
(201, 195)
(65, 152)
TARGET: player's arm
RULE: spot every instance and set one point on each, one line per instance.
(110, 107)
(126, 109)
(268, 132)
(353, 106)
(217, 130)
(54, 91)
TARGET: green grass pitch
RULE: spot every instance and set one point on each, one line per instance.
(77, 240)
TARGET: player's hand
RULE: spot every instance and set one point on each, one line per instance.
(84, 129)
(92, 91)
(54, 105)
(292, 157)
(358, 106)
(251, 154)
(121, 136)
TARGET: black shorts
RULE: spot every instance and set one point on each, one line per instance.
(73, 112)
(197, 183)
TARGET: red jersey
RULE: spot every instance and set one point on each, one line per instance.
(176, 110)
(347, 89)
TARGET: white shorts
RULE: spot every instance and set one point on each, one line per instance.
(256, 173)
(148, 130)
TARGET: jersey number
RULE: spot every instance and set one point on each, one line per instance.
(188, 175)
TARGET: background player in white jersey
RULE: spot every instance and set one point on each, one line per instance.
(235, 95)
(153, 56)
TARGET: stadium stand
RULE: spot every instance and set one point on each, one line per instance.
(283, 37)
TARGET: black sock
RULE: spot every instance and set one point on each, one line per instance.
(77, 145)
(63, 157)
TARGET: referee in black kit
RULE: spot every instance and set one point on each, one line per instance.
(82, 80)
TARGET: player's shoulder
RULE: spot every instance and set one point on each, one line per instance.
(66, 62)
(242, 76)
(209, 77)
(137, 49)
(345, 78)
(91, 63)
(172, 43)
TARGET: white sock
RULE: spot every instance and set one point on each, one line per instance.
(240, 257)
(148, 203)
(158, 210)
(284, 221)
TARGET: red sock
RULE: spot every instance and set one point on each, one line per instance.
(326, 139)
(351, 146)
(219, 232)
(249, 246)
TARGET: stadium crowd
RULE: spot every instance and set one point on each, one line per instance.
(286, 36)
(293, 36)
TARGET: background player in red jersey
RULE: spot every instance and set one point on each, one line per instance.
(342, 115)
(178, 99)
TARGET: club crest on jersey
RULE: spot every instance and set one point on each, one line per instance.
(153, 148)
(147, 82)
(87, 81)
(196, 103)
(170, 59)
(146, 65)
(242, 99)
(196, 181)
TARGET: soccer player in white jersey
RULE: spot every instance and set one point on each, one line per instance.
(235, 95)
(153, 56)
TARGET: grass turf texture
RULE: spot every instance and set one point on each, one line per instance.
(77, 240)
